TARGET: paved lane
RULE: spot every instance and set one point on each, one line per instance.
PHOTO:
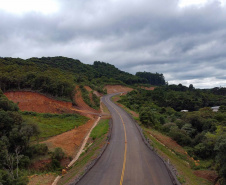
(127, 160)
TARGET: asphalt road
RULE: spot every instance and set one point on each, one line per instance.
(127, 160)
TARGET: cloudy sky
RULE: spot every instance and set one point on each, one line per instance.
(183, 39)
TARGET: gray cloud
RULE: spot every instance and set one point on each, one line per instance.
(186, 45)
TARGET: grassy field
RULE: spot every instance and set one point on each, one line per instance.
(53, 124)
(91, 151)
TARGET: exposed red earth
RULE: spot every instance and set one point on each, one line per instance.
(207, 174)
(117, 88)
(80, 102)
(148, 88)
(35, 102)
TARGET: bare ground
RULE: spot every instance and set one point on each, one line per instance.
(117, 88)
(70, 141)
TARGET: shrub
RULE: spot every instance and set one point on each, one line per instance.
(162, 120)
(39, 149)
(204, 150)
(180, 137)
(168, 126)
(58, 154)
(147, 117)
(220, 148)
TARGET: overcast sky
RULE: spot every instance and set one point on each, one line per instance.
(183, 39)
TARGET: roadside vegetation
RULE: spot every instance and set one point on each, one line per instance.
(201, 132)
(94, 146)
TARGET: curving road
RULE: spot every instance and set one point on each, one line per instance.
(127, 160)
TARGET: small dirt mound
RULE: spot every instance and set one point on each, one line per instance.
(117, 88)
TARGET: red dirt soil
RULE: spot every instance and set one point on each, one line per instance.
(167, 141)
(35, 102)
(45, 179)
(148, 88)
(117, 88)
(40, 165)
(81, 104)
(207, 174)
(88, 88)
(94, 92)
(70, 141)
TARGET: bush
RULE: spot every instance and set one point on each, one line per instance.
(168, 126)
(162, 120)
(55, 164)
(39, 149)
(180, 123)
(220, 148)
(180, 137)
(24, 162)
(7, 178)
(147, 117)
(204, 150)
(58, 154)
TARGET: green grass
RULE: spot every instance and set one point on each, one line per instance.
(53, 124)
(100, 129)
(186, 175)
(91, 151)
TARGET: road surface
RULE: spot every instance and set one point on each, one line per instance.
(127, 160)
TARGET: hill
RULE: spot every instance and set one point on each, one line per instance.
(58, 76)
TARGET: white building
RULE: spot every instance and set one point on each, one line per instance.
(215, 109)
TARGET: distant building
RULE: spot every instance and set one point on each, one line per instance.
(184, 110)
(215, 109)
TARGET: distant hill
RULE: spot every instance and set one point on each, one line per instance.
(59, 75)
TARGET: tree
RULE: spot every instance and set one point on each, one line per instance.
(220, 148)
(147, 117)
(222, 108)
(191, 87)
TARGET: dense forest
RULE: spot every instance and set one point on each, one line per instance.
(152, 78)
(200, 131)
(58, 76)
